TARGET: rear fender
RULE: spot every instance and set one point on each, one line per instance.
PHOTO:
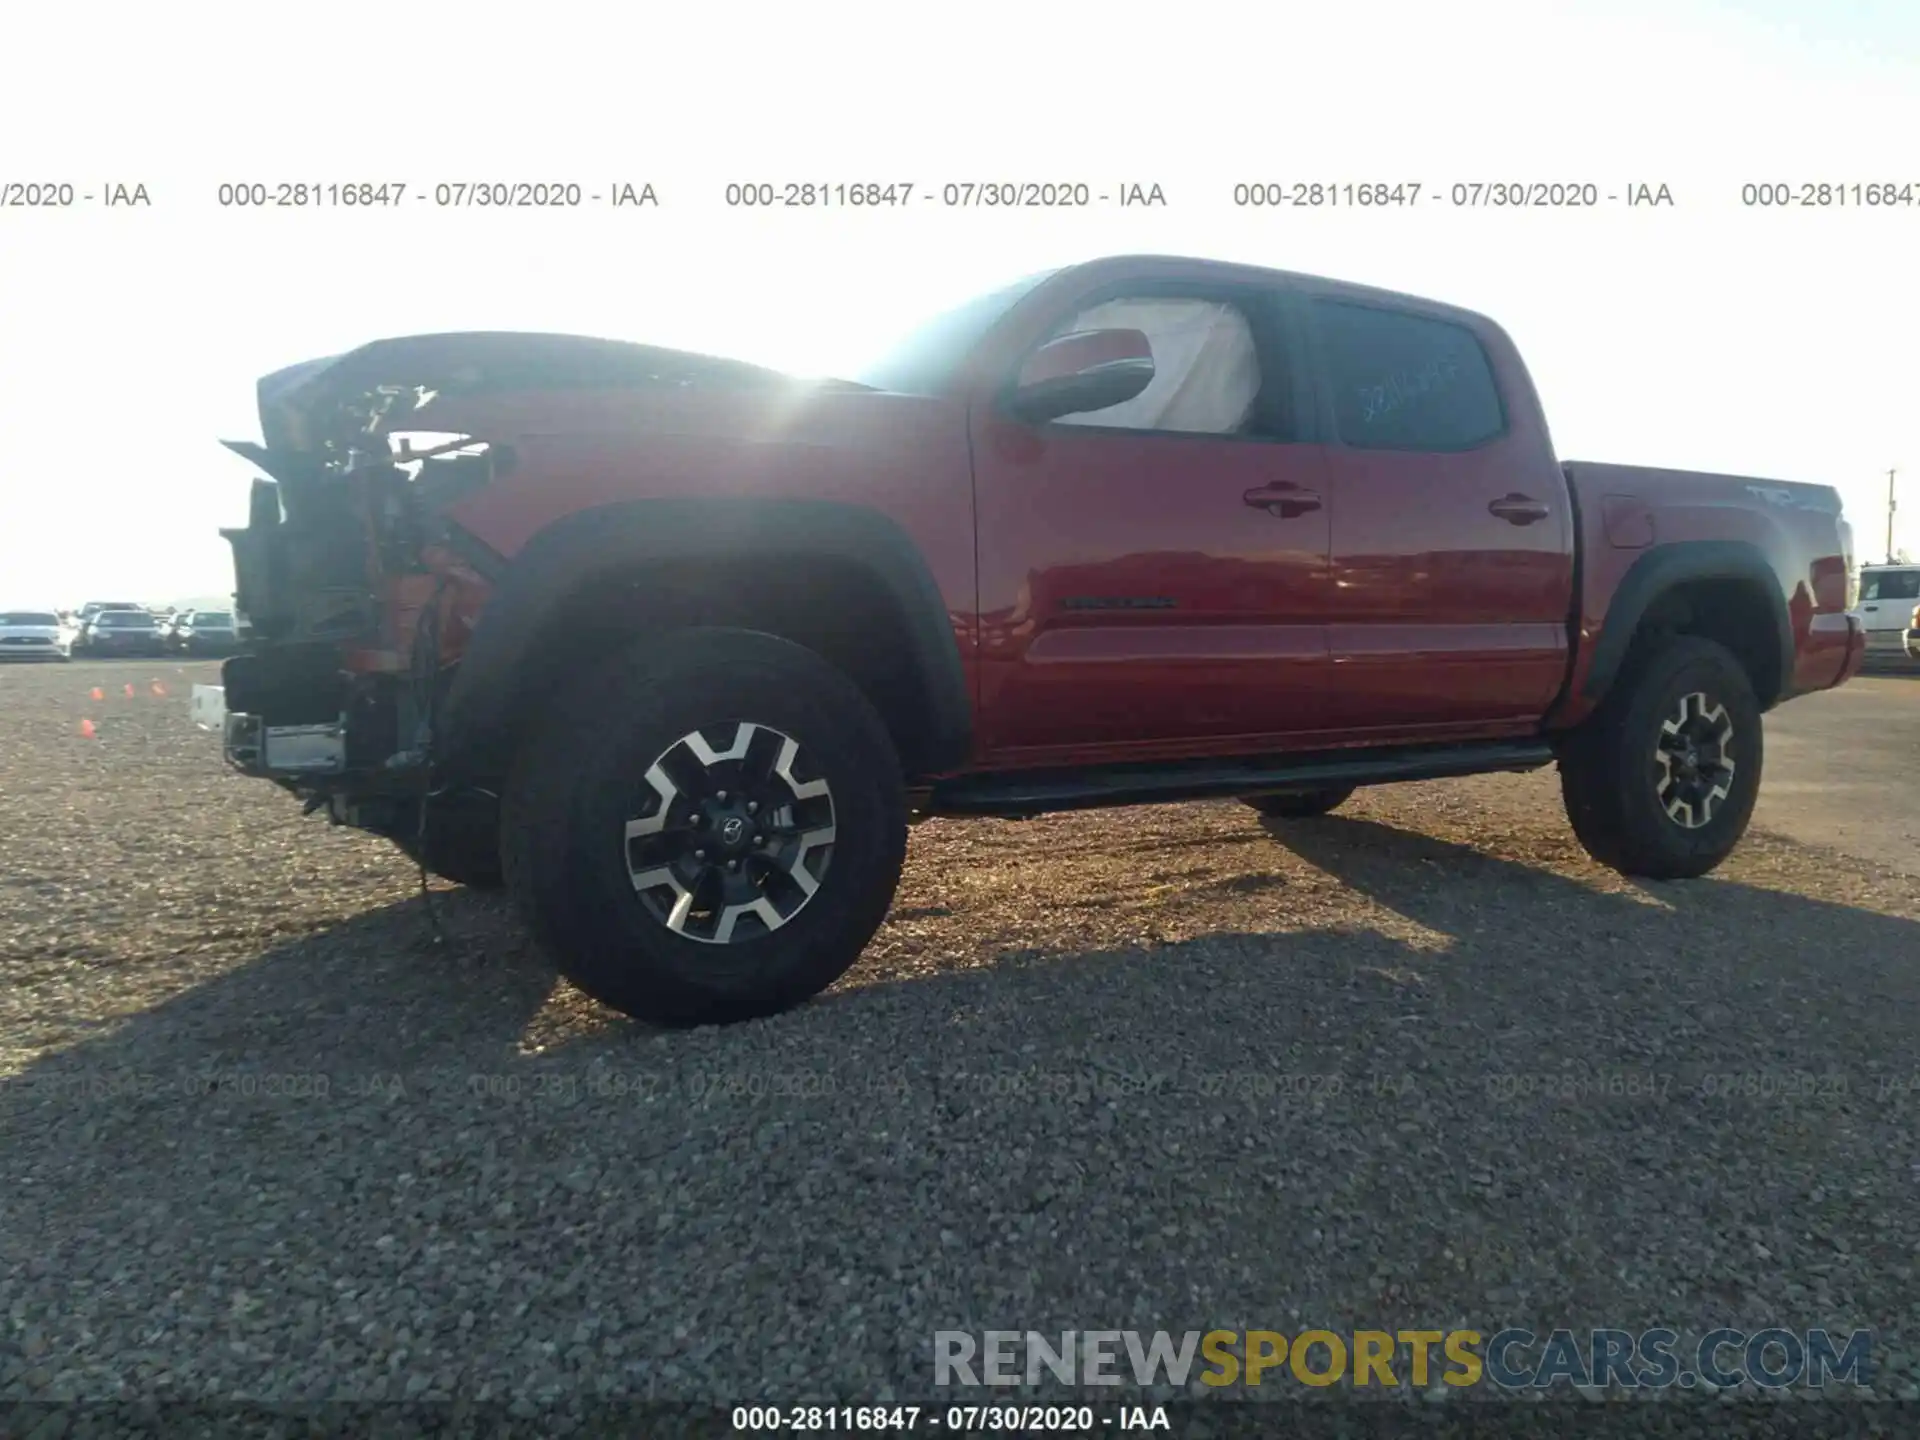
(1658, 572)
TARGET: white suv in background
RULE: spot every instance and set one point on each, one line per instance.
(1890, 603)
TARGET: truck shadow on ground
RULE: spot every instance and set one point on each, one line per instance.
(1461, 1127)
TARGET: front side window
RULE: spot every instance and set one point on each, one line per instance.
(29, 617)
(1890, 585)
(1206, 366)
(1407, 382)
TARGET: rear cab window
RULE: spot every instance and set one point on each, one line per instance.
(1404, 381)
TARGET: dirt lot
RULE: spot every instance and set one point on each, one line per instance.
(1420, 1064)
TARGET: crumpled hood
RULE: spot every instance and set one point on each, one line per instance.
(308, 406)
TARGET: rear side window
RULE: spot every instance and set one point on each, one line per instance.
(1890, 585)
(1407, 382)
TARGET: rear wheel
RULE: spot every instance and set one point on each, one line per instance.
(708, 829)
(1300, 804)
(1661, 780)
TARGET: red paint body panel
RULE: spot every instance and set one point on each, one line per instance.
(1070, 523)
(1119, 595)
(903, 455)
(1797, 528)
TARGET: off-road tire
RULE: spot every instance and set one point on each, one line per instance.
(1611, 774)
(583, 776)
(462, 850)
(1301, 804)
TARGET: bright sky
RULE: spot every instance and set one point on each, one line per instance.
(1711, 335)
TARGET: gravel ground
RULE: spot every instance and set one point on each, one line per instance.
(1153, 1069)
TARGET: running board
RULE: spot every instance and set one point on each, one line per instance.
(1035, 792)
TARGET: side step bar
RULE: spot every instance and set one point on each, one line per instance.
(1020, 793)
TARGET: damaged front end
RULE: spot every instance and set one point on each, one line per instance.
(359, 587)
(358, 594)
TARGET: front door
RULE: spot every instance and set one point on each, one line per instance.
(1153, 576)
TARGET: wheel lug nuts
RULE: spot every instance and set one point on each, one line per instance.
(699, 854)
(759, 839)
(721, 797)
(753, 807)
(733, 864)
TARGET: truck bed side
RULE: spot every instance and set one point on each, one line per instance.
(1763, 563)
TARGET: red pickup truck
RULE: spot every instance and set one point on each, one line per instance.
(677, 647)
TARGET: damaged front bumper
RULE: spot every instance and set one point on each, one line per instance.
(347, 765)
(296, 714)
(274, 752)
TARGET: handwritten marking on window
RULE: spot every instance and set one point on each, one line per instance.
(1403, 387)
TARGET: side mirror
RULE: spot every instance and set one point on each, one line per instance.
(1086, 370)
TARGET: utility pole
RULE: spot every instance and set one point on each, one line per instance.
(1890, 509)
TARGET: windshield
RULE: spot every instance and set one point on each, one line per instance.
(924, 360)
(125, 619)
(28, 617)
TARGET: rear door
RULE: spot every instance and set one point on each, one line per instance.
(1153, 577)
(1452, 526)
(1888, 595)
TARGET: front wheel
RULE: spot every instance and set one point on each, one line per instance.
(1661, 780)
(709, 828)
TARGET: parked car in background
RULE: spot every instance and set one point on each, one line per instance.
(121, 632)
(1890, 601)
(205, 632)
(32, 635)
(95, 607)
(83, 619)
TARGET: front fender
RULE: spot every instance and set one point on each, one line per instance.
(481, 713)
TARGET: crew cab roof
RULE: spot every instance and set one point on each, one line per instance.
(1183, 266)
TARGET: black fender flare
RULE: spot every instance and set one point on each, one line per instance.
(1677, 563)
(482, 704)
